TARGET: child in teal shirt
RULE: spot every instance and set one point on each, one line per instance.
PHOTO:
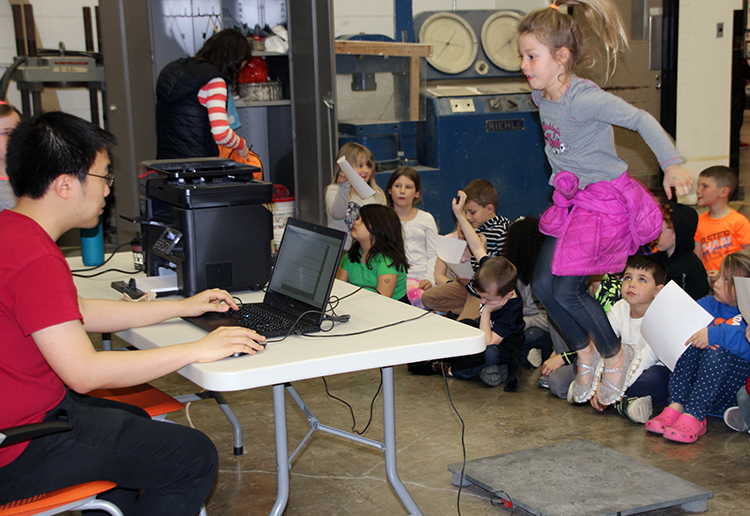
(376, 260)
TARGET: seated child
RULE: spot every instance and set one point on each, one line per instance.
(642, 280)
(480, 211)
(376, 259)
(675, 250)
(721, 230)
(342, 201)
(501, 317)
(420, 231)
(707, 376)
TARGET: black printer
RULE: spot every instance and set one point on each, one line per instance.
(205, 219)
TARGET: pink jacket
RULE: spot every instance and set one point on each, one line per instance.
(599, 226)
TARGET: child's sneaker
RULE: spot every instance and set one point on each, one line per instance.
(534, 357)
(638, 410)
(543, 381)
(494, 375)
(734, 420)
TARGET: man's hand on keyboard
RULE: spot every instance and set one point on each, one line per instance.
(226, 341)
(214, 300)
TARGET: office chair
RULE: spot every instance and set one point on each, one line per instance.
(74, 498)
(154, 401)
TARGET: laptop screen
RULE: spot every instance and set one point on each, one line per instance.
(306, 263)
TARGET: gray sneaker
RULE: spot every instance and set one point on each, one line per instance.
(543, 381)
(734, 420)
(534, 357)
(494, 375)
(638, 410)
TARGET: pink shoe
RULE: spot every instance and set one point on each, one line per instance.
(658, 424)
(686, 429)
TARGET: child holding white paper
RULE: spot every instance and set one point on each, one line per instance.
(420, 231)
(342, 201)
(709, 373)
(444, 273)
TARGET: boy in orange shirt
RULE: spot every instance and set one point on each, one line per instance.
(721, 230)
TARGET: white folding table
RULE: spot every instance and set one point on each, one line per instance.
(346, 348)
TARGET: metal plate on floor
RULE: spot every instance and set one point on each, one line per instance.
(580, 478)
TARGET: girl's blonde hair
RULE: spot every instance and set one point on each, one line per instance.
(353, 152)
(733, 265)
(557, 30)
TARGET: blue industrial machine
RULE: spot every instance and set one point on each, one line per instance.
(477, 119)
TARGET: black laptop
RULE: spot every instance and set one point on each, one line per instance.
(300, 283)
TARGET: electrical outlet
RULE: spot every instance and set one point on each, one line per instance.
(719, 30)
(462, 106)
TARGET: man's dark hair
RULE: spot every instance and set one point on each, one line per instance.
(650, 265)
(50, 145)
(497, 276)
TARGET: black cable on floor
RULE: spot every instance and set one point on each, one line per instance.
(351, 410)
(463, 444)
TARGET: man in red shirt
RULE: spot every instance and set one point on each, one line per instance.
(58, 165)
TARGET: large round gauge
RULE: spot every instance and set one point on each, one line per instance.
(500, 40)
(454, 43)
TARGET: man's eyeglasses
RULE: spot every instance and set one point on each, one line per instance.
(109, 178)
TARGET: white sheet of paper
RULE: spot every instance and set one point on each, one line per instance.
(363, 189)
(461, 270)
(166, 283)
(450, 251)
(670, 321)
(742, 289)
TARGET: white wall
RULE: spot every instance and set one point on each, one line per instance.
(376, 17)
(704, 65)
(57, 20)
(703, 83)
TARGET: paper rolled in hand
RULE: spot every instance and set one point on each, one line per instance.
(363, 189)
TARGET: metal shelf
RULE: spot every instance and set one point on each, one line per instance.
(268, 103)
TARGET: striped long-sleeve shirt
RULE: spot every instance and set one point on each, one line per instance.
(213, 95)
(494, 230)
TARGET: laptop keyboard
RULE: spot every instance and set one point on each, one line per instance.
(255, 318)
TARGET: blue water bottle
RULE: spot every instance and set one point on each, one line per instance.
(92, 245)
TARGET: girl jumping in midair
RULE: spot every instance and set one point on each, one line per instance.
(600, 215)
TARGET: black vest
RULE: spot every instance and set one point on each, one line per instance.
(182, 126)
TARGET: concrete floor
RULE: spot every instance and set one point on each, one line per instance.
(332, 476)
(335, 476)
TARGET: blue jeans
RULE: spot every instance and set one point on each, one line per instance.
(160, 468)
(508, 352)
(653, 382)
(537, 338)
(576, 313)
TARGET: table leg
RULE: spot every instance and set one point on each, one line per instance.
(389, 431)
(282, 453)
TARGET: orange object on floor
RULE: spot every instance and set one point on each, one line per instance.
(154, 401)
(74, 497)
